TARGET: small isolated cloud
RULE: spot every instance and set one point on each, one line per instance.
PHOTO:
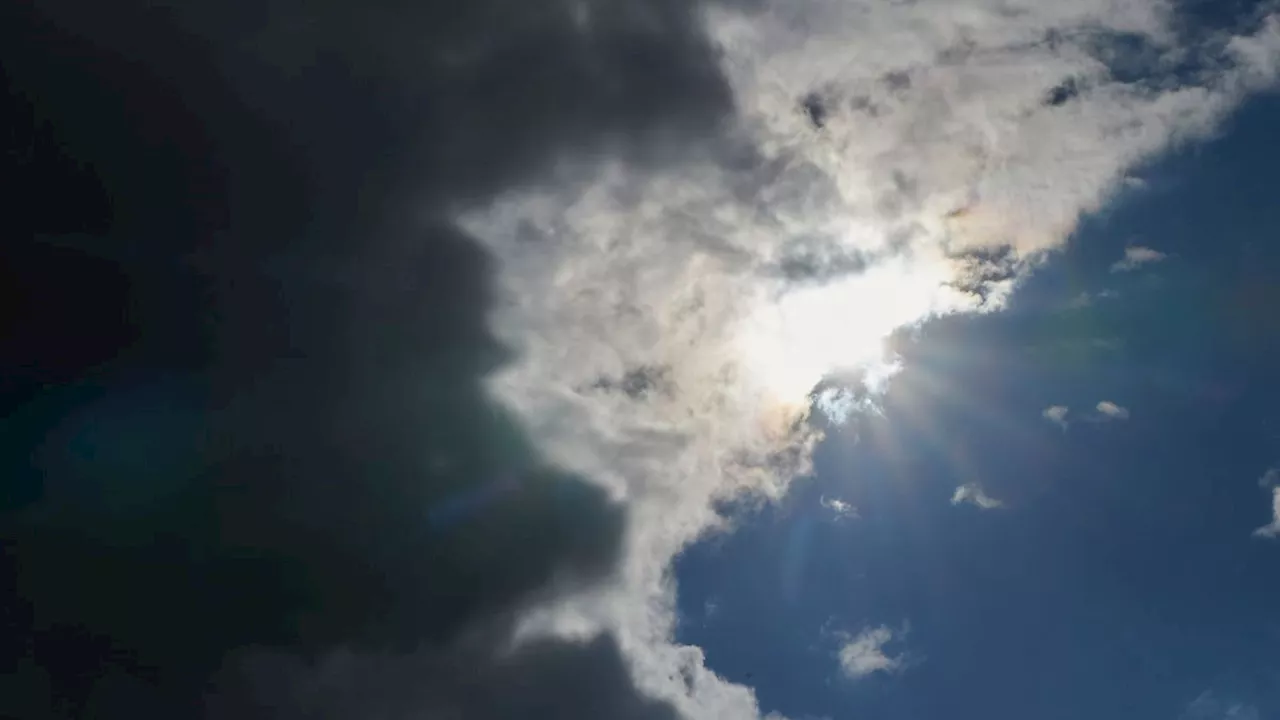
(1135, 256)
(1056, 414)
(1272, 529)
(1270, 478)
(1111, 411)
(710, 608)
(973, 494)
(863, 655)
(841, 508)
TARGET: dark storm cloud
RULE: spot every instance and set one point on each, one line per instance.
(254, 470)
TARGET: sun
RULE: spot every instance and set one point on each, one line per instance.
(799, 336)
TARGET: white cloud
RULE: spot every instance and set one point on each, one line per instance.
(1270, 478)
(1110, 411)
(973, 494)
(1272, 529)
(1056, 414)
(791, 248)
(1135, 256)
(864, 655)
(841, 508)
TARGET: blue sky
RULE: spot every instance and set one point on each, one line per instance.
(1119, 577)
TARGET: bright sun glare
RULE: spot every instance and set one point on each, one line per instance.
(804, 335)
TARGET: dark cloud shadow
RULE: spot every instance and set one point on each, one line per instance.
(252, 471)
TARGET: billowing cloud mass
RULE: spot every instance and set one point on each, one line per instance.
(973, 494)
(508, 295)
(1135, 256)
(864, 654)
(1108, 410)
(886, 163)
(1056, 414)
(1271, 529)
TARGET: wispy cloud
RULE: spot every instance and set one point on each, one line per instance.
(1271, 529)
(1270, 478)
(1208, 706)
(1056, 414)
(841, 508)
(1085, 299)
(1108, 410)
(864, 655)
(973, 494)
(1135, 256)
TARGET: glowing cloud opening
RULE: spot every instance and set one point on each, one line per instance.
(804, 335)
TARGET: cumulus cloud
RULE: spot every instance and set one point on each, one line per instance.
(1056, 414)
(594, 250)
(864, 654)
(888, 163)
(839, 507)
(973, 494)
(1271, 529)
(1108, 410)
(1135, 256)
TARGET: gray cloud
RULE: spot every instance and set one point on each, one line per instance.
(347, 524)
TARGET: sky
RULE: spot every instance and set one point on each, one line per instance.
(1112, 570)
(641, 359)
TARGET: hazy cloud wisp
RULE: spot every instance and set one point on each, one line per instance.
(973, 494)
(1135, 256)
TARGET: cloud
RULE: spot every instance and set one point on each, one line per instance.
(839, 507)
(1108, 410)
(864, 655)
(1209, 706)
(300, 495)
(1085, 299)
(1270, 478)
(973, 494)
(888, 163)
(1272, 529)
(1056, 414)
(1135, 256)
(516, 297)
